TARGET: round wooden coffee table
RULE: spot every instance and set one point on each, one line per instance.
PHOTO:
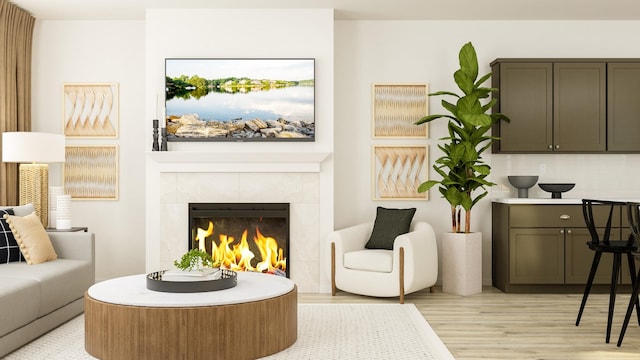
(125, 320)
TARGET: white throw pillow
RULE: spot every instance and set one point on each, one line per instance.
(20, 210)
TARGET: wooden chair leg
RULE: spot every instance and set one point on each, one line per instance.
(632, 302)
(431, 289)
(333, 269)
(401, 275)
(617, 259)
(634, 279)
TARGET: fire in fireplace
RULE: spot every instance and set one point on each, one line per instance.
(242, 236)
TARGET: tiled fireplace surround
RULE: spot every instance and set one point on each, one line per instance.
(184, 177)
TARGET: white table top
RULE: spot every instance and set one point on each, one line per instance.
(132, 290)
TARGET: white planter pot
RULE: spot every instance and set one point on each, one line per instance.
(462, 263)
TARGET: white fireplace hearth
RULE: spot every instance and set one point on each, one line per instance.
(177, 178)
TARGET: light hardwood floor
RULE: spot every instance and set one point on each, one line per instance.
(495, 325)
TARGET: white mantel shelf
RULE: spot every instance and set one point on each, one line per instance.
(249, 161)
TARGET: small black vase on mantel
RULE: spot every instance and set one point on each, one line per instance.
(155, 146)
(163, 143)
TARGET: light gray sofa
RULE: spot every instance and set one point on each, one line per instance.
(37, 298)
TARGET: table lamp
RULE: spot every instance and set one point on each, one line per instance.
(33, 150)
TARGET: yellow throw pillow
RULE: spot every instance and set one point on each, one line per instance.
(32, 238)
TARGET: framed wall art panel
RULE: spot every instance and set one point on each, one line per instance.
(398, 171)
(396, 107)
(90, 110)
(91, 172)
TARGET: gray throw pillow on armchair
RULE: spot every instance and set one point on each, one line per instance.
(389, 223)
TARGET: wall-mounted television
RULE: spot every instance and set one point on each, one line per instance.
(221, 99)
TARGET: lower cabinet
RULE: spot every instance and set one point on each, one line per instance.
(536, 256)
(534, 252)
(579, 259)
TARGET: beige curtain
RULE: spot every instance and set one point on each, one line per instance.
(16, 37)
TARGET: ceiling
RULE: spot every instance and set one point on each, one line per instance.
(353, 9)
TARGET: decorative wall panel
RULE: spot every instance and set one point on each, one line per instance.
(399, 171)
(397, 107)
(91, 110)
(91, 172)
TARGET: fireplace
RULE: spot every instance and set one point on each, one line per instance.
(243, 236)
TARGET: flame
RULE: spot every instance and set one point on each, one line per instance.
(238, 256)
(202, 234)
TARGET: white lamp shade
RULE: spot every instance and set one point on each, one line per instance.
(32, 147)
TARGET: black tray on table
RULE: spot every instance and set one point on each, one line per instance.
(155, 282)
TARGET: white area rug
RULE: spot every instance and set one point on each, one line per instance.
(325, 331)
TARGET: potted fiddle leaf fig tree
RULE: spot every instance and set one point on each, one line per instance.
(461, 167)
(463, 172)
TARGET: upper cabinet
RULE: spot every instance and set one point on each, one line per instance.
(567, 105)
(526, 96)
(623, 112)
(579, 107)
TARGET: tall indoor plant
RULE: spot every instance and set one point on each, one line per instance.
(461, 167)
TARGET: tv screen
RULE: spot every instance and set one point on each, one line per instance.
(240, 99)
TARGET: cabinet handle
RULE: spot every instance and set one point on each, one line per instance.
(562, 231)
(569, 231)
(557, 146)
(565, 217)
(550, 146)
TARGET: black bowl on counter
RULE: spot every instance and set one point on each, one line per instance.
(556, 189)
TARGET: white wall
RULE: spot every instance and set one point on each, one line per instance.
(364, 52)
(99, 51)
(369, 52)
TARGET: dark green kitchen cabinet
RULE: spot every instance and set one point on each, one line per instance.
(543, 248)
(623, 113)
(579, 107)
(567, 105)
(579, 259)
(536, 256)
(526, 96)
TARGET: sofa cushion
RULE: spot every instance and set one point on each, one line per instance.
(369, 260)
(389, 223)
(59, 282)
(9, 248)
(20, 300)
(20, 210)
(34, 242)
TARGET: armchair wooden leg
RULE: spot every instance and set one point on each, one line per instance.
(431, 289)
(333, 269)
(401, 275)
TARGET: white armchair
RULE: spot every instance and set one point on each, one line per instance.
(412, 265)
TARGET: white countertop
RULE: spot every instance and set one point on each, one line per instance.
(132, 290)
(550, 200)
(537, 201)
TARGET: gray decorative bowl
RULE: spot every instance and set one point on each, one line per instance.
(522, 183)
(557, 189)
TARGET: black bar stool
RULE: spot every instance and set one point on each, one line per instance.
(602, 245)
(633, 213)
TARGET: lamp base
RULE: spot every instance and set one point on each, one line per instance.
(34, 189)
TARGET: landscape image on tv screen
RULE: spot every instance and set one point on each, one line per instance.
(240, 99)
